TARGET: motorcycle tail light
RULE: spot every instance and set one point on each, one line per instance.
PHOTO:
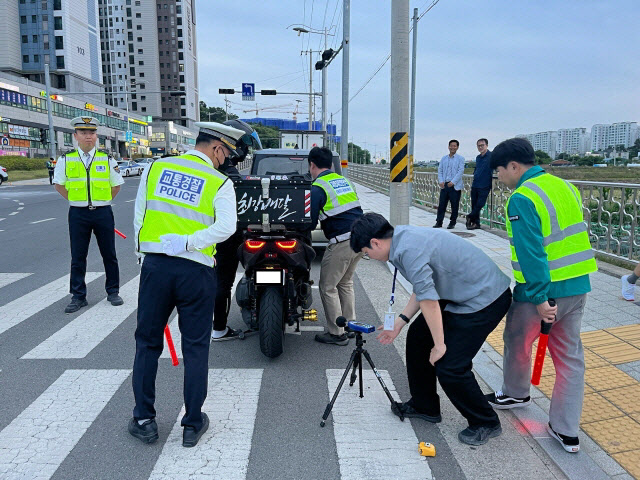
(254, 245)
(287, 245)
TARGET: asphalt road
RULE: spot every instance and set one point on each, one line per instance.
(282, 437)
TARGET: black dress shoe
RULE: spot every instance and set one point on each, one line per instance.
(438, 225)
(191, 436)
(147, 432)
(409, 412)
(451, 226)
(75, 305)
(351, 335)
(114, 299)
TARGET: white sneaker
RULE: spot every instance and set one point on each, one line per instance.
(627, 289)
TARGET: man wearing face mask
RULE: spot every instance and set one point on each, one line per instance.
(184, 207)
(227, 251)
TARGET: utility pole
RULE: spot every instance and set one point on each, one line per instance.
(226, 108)
(399, 189)
(311, 89)
(324, 95)
(52, 135)
(344, 134)
(412, 118)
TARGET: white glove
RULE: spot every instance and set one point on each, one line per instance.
(174, 244)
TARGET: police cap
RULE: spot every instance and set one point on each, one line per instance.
(85, 123)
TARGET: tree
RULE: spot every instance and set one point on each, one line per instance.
(269, 136)
(634, 149)
(214, 114)
(542, 157)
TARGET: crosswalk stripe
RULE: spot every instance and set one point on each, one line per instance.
(387, 447)
(175, 330)
(223, 451)
(79, 337)
(7, 278)
(22, 308)
(38, 440)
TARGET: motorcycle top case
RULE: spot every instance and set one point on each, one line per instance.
(273, 200)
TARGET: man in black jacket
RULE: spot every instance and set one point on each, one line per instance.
(227, 251)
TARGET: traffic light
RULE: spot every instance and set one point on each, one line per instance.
(320, 65)
(223, 91)
(43, 135)
(327, 54)
(267, 92)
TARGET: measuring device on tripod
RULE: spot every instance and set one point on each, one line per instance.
(355, 365)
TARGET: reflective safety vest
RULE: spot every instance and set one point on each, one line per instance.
(341, 196)
(566, 241)
(88, 187)
(179, 199)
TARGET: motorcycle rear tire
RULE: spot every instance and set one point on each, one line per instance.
(271, 322)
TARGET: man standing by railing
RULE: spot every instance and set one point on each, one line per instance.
(450, 173)
(481, 186)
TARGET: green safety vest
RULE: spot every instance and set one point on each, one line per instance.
(179, 199)
(341, 196)
(566, 241)
(88, 187)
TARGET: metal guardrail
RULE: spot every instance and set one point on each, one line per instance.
(611, 210)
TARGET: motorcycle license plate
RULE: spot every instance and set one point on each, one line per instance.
(269, 277)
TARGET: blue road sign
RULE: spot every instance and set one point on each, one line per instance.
(129, 136)
(249, 91)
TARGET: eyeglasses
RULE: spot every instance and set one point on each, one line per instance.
(365, 256)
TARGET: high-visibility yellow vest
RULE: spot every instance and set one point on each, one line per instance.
(341, 196)
(179, 199)
(566, 241)
(88, 187)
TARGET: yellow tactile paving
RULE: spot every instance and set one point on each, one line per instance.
(607, 378)
(628, 332)
(591, 360)
(620, 352)
(616, 434)
(596, 408)
(625, 398)
(631, 461)
(598, 338)
(546, 384)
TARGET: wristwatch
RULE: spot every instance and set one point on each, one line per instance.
(404, 317)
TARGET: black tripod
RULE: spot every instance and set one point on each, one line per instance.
(356, 362)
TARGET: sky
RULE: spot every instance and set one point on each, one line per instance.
(485, 68)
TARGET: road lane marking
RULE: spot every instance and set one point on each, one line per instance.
(7, 278)
(2, 219)
(20, 203)
(33, 302)
(14, 213)
(40, 221)
(387, 447)
(223, 451)
(38, 440)
(83, 334)
(175, 330)
(129, 201)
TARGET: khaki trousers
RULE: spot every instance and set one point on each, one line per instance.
(336, 284)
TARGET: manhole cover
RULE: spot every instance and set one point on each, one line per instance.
(464, 234)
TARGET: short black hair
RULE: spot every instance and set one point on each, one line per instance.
(512, 150)
(204, 138)
(321, 157)
(483, 140)
(454, 140)
(367, 227)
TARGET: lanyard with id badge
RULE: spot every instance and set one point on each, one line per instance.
(390, 316)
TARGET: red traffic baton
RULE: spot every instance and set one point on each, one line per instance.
(172, 348)
(119, 233)
(545, 328)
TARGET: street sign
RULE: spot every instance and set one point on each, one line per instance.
(129, 136)
(249, 91)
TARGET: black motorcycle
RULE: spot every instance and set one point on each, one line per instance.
(276, 255)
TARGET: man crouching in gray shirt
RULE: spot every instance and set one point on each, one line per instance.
(462, 296)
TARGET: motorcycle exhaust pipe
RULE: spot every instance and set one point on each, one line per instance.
(306, 296)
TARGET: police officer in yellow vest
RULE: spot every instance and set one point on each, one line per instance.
(552, 259)
(184, 207)
(90, 180)
(335, 204)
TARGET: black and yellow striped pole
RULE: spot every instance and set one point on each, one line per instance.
(399, 173)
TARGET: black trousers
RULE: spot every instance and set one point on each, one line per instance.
(478, 201)
(226, 267)
(50, 177)
(82, 222)
(463, 336)
(167, 283)
(448, 194)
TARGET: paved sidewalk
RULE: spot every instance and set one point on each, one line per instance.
(611, 337)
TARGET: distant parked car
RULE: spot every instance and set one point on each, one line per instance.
(128, 168)
(4, 176)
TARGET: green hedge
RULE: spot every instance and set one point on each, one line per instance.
(22, 163)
